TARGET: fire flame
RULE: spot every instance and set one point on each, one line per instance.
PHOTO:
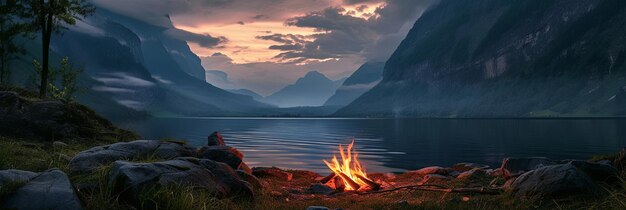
(349, 167)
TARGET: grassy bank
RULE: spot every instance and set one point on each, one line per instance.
(276, 194)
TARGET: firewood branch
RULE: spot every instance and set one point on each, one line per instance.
(439, 188)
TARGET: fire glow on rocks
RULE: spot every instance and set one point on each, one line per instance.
(349, 171)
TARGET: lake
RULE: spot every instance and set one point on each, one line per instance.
(394, 145)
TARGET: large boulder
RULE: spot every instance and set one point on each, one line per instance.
(49, 190)
(52, 119)
(15, 176)
(224, 154)
(96, 157)
(597, 171)
(215, 139)
(552, 181)
(130, 179)
(516, 166)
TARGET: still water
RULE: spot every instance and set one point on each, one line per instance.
(394, 145)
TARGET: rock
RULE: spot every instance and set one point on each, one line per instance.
(276, 194)
(507, 184)
(516, 166)
(303, 174)
(244, 167)
(607, 162)
(49, 190)
(434, 178)
(462, 167)
(552, 181)
(15, 176)
(59, 145)
(597, 171)
(129, 179)
(89, 160)
(297, 191)
(403, 204)
(317, 208)
(321, 189)
(431, 170)
(498, 172)
(224, 154)
(476, 172)
(170, 150)
(245, 176)
(273, 172)
(215, 139)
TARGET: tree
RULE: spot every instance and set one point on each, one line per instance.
(63, 82)
(10, 28)
(50, 16)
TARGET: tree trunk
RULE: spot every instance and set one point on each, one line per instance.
(2, 54)
(2, 68)
(46, 35)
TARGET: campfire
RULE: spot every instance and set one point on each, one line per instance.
(348, 174)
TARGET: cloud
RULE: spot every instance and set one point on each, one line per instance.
(220, 79)
(111, 89)
(352, 2)
(123, 79)
(204, 40)
(261, 17)
(360, 86)
(341, 33)
(137, 105)
(86, 28)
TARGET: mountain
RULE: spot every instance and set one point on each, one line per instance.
(311, 90)
(142, 67)
(247, 92)
(362, 80)
(518, 58)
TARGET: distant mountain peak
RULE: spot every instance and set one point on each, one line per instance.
(313, 89)
(314, 73)
(313, 77)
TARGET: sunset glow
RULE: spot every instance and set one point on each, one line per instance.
(243, 46)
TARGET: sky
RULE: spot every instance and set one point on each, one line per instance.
(264, 45)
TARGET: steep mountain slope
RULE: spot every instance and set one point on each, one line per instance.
(518, 58)
(139, 66)
(362, 80)
(311, 90)
(247, 92)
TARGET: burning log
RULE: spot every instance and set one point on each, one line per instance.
(373, 185)
(339, 185)
(355, 186)
(328, 178)
(350, 170)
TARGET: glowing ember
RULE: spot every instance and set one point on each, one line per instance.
(349, 169)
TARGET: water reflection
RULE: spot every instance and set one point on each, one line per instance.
(395, 144)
